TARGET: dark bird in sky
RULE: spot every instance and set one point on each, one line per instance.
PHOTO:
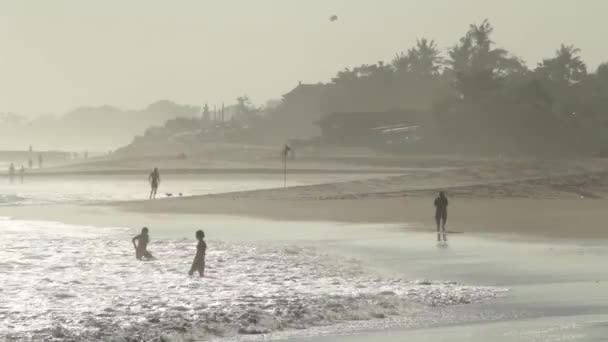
(333, 18)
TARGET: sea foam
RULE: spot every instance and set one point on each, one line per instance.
(64, 282)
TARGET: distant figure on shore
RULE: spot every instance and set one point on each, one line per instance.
(40, 161)
(285, 152)
(154, 179)
(198, 264)
(141, 248)
(30, 163)
(441, 215)
(22, 173)
(11, 172)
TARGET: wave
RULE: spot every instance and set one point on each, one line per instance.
(79, 283)
(6, 200)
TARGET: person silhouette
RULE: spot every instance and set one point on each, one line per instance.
(154, 179)
(141, 248)
(198, 264)
(441, 215)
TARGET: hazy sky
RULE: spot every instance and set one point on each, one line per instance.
(59, 54)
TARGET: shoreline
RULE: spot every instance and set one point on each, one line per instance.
(551, 218)
(217, 171)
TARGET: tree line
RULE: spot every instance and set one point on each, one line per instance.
(483, 98)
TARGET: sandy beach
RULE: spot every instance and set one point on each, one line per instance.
(556, 199)
(536, 241)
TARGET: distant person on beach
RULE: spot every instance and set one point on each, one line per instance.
(441, 215)
(285, 152)
(198, 265)
(30, 163)
(154, 179)
(40, 161)
(11, 172)
(141, 248)
(22, 173)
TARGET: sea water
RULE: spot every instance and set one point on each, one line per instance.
(83, 189)
(77, 282)
(62, 282)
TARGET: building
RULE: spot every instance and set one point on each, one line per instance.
(376, 129)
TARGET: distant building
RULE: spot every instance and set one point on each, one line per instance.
(376, 129)
(300, 108)
(305, 94)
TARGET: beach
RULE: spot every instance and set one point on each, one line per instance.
(523, 262)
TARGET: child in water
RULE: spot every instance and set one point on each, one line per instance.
(199, 259)
(141, 248)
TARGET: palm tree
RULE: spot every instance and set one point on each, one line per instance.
(424, 59)
(566, 67)
(475, 65)
(602, 72)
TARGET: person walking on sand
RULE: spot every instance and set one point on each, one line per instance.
(141, 248)
(198, 264)
(441, 215)
(40, 161)
(154, 179)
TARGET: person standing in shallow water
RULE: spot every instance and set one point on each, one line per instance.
(441, 215)
(154, 179)
(198, 264)
(141, 248)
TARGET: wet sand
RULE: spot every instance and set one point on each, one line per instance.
(550, 218)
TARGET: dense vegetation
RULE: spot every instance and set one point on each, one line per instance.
(480, 99)
(484, 98)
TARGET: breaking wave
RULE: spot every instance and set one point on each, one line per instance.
(64, 282)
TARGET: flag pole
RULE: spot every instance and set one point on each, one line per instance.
(285, 169)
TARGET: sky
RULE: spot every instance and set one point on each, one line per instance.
(61, 54)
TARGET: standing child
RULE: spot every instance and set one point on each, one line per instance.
(198, 264)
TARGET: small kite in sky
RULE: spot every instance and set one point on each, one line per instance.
(333, 18)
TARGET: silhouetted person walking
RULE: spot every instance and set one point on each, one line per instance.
(141, 248)
(30, 163)
(154, 179)
(441, 215)
(40, 161)
(198, 264)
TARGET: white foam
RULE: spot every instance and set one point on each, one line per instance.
(62, 281)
